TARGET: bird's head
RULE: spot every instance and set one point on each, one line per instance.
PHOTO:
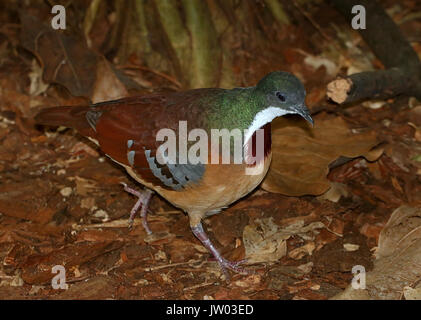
(285, 92)
(279, 93)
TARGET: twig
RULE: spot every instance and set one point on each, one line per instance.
(199, 286)
(158, 73)
(171, 265)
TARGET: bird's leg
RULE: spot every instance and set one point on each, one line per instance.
(223, 263)
(143, 200)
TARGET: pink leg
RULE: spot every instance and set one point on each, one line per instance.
(223, 263)
(143, 200)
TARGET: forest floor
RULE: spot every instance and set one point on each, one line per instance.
(61, 202)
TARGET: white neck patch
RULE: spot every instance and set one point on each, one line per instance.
(263, 117)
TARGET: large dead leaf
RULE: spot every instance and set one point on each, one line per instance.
(403, 228)
(397, 269)
(68, 61)
(302, 155)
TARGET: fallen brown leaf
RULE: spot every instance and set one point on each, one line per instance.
(398, 263)
(265, 241)
(27, 200)
(68, 61)
(65, 60)
(107, 86)
(302, 155)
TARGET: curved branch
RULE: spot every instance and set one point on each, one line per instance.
(403, 68)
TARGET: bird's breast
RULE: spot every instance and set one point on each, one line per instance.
(221, 185)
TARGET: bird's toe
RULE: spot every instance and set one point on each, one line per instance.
(234, 266)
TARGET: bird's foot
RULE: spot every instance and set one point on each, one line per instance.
(223, 263)
(143, 201)
(233, 266)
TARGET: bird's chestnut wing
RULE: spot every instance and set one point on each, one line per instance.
(126, 131)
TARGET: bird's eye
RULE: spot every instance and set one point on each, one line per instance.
(280, 96)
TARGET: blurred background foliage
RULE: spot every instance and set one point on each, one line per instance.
(200, 43)
(188, 38)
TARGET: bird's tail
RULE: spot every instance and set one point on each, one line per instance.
(72, 117)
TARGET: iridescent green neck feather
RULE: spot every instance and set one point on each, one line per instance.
(234, 108)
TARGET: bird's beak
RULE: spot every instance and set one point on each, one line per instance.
(302, 110)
